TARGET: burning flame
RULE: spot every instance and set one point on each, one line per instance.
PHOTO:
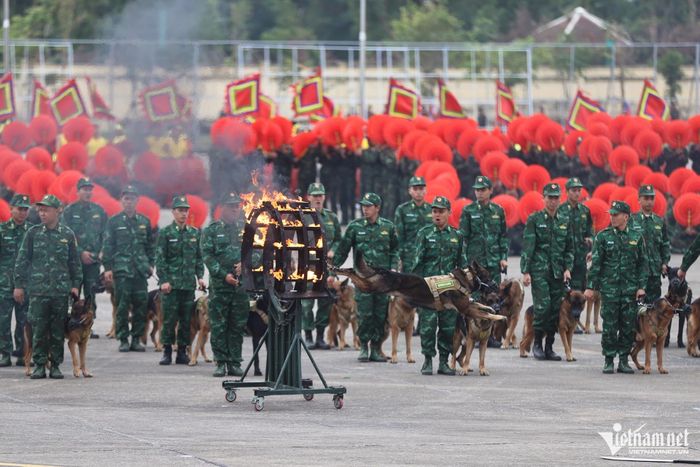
(319, 243)
(292, 244)
(295, 223)
(310, 276)
(314, 226)
(259, 269)
(277, 274)
(259, 238)
(277, 245)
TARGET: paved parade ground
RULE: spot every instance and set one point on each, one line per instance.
(137, 413)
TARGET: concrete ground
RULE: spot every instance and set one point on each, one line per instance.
(137, 413)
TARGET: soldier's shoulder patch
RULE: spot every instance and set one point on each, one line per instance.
(633, 242)
(64, 240)
(384, 232)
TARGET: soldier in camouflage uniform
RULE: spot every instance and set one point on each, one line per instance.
(11, 236)
(369, 169)
(87, 220)
(483, 226)
(331, 231)
(228, 301)
(178, 264)
(386, 185)
(689, 257)
(375, 238)
(653, 229)
(619, 272)
(48, 269)
(439, 249)
(128, 254)
(409, 218)
(546, 262)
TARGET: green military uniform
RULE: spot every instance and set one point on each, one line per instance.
(547, 253)
(129, 252)
(11, 236)
(378, 244)
(88, 222)
(47, 268)
(228, 304)
(369, 169)
(178, 263)
(438, 252)
(386, 185)
(409, 218)
(483, 227)
(331, 232)
(618, 269)
(691, 255)
(581, 224)
(658, 248)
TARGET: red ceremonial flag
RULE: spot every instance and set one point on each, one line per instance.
(581, 108)
(67, 103)
(7, 97)
(449, 105)
(651, 104)
(308, 95)
(243, 96)
(505, 104)
(402, 102)
(327, 111)
(100, 110)
(162, 103)
(41, 102)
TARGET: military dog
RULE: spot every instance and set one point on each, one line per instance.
(199, 329)
(693, 344)
(343, 314)
(569, 314)
(593, 308)
(652, 327)
(400, 317)
(154, 320)
(511, 295)
(469, 331)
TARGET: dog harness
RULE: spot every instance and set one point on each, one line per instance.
(441, 284)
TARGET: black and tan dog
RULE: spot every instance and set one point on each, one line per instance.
(469, 332)
(693, 344)
(78, 327)
(400, 317)
(652, 327)
(343, 315)
(511, 294)
(593, 308)
(569, 315)
(199, 329)
(416, 291)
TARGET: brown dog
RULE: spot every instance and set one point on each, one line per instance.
(511, 294)
(199, 328)
(593, 307)
(400, 317)
(469, 331)
(694, 329)
(652, 327)
(528, 332)
(569, 314)
(343, 314)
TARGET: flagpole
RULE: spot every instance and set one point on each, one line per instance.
(363, 41)
(6, 33)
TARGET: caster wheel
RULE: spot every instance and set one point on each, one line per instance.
(338, 401)
(308, 397)
(231, 395)
(259, 404)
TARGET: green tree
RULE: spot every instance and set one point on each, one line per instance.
(670, 65)
(431, 22)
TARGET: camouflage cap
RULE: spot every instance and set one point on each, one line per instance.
(552, 189)
(647, 190)
(20, 200)
(482, 181)
(440, 202)
(130, 190)
(231, 198)
(619, 207)
(371, 199)
(574, 182)
(50, 201)
(416, 181)
(180, 202)
(316, 189)
(83, 182)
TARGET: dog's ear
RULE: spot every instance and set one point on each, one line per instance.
(345, 282)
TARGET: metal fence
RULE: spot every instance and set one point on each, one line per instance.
(544, 77)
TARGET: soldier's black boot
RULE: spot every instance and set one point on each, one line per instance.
(220, 370)
(234, 369)
(427, 368)
(609, 367)
(537, 351)
(309, 338)
(623, 366)
(320, 343)
(55, 372)
(549, 353)
(136, 345)
(39, 372)
(181, 357)
(444, 368)
(364, 352)
(124, 345)
(167, 355)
